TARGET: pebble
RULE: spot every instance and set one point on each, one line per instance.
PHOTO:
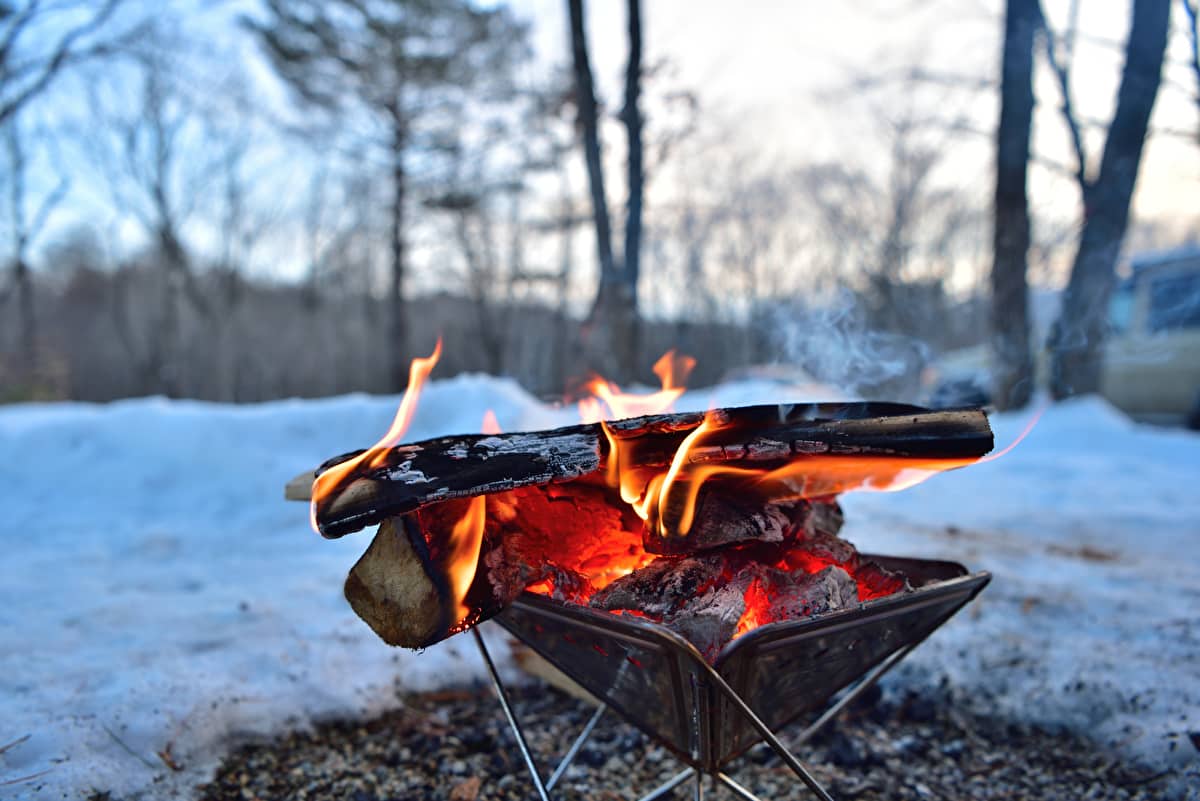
(435, 746)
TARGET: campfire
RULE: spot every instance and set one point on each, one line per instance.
(711, 524)
(684, 568)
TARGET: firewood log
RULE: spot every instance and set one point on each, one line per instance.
(415, 475)
(552, 520)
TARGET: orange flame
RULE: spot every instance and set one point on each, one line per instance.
(466, 538)
(755, 614)
(681, 456)
(331, 480)
(490, 424)
(1025, 432)
(804, 477)
(672, 370)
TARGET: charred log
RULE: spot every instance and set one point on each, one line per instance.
(413, 476)
(708, 598)
(723, 515)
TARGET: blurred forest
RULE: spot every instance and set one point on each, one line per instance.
(250, 200)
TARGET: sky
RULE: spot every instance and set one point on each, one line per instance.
(776, 68)
(774, 83)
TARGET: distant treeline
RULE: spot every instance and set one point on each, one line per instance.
(112, 333)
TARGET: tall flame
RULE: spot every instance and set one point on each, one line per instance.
(466, 538)
(672, 370)
(332, 479)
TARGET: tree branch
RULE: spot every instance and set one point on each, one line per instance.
(62, 53)
(1192, 10)
(1062, 71)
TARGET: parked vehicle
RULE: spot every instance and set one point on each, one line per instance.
(1151, 364)
(1151, 360)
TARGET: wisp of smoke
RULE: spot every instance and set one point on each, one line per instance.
(835, 343)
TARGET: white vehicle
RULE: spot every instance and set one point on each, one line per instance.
(1151, 367)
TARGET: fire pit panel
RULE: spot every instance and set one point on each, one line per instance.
(639, 669)
(657, 680)
(786, 670)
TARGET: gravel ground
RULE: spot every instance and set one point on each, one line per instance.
(456, 746)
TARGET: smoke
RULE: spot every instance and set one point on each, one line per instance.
(836, 344)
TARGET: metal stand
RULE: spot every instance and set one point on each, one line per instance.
(844, 699)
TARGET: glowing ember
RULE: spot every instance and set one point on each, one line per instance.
(757, 605)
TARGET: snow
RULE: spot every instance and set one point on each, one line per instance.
(158, 592)
(1090, 528)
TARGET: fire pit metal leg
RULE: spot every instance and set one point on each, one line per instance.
(669, 785)
(512, 719)
(848, 697)
(765, 732)
(569, 757)
(737, 789)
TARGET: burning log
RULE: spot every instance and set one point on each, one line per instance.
(393, 589)
(408, 477)
(735, 506)
(567, 539)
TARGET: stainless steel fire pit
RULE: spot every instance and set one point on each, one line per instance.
(710, 714)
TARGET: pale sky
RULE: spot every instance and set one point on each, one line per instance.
(772, 65)
(772, 79)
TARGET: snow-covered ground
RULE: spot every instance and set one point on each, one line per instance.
(158, 595)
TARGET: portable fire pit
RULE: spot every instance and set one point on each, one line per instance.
(725, 609)
(706, 714)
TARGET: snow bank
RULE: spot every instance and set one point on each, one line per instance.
(1091, 528)
(160, 593)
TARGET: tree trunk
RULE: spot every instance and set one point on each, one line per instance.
(169, 356)
(605, 333)
(1078, 334)
(585, 98)
(1010, 301)
(631, 115)
(27, 368)
(397, 324)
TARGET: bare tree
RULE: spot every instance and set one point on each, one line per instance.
(612, 324)
(1191, 10)
(32, 56)
(1011, 229)
(631, 116)
(154, 178)
(1078, 334)
(403, 64)
(25, 227)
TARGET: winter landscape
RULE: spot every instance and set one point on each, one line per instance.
(228, 230)
(177, 604)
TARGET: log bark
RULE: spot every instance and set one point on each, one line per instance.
(417, 475)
